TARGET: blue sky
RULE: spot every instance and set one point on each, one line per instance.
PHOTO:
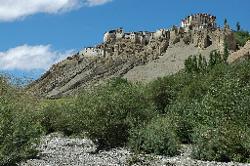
(54, 29)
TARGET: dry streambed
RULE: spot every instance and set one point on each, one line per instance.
(58, 150)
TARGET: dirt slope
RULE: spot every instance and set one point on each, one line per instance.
(171, 62)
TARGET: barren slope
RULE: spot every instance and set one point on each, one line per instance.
(171, 62)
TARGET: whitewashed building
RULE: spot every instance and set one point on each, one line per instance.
(113, 35)
(92, 52)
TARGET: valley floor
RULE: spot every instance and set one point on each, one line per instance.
(57, 150)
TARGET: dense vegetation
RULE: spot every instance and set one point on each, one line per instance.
(19, 126)
(242, 37)
(207, 105)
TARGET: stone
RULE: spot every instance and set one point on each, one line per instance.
(57, 150)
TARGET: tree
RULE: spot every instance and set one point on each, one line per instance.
(191, 64)
(200, 64)
(196, 64)
(238, 28)
(226, 26)
(214, 59)
(226, 52)
(225, 21)
(204, 62)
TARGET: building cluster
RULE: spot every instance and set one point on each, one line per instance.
(112, 36)
(142, 37)
(198, 21)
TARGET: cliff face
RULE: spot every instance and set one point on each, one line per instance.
(78, 71)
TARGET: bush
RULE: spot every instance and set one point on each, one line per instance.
(198, 64)
(242, 37)
(163, 91)
(226, 142)
(19, 127)
(222, 132)
(158, 137)
(19, 136)
(213, 113)
(181, 113)
(109, 112)
(60, 116)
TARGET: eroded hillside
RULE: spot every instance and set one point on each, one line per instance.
(137, 56)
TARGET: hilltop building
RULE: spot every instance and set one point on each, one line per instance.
(199, 21)
(142, 37)
(92, 51)
(198, 29)
(113, 35)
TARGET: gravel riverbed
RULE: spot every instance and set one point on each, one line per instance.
(58, 150)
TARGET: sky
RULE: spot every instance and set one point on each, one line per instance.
(34, 34)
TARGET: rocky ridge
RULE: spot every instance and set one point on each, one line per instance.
(77, 72)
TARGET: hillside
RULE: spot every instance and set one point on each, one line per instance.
(78, 71)
(137, 56)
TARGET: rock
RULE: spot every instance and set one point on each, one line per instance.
(57, 150)
(243, 53)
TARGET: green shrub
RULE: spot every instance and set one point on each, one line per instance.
(163, 91)
(195, 90)
(109, 112)
(191, 64)
(225, 142)
(222, 132)
(158, 137)
(242, 37)
(19, 135)
(60, 116)
(19, 127)
(198, 64)
(181, 113)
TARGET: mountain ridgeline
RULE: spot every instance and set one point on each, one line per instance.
(136, 56)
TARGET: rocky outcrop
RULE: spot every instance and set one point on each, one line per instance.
(218, 37)
(243, 53)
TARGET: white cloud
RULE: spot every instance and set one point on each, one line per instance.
(11, 10)
(91, 3)
(29, 58)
